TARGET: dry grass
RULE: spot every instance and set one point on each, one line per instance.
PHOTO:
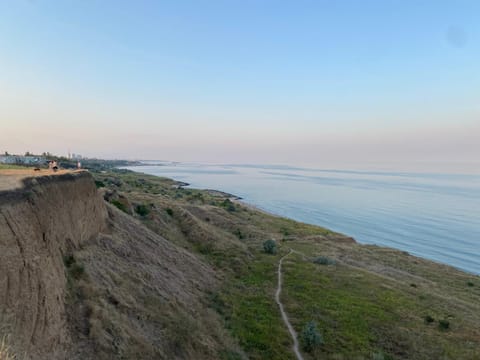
(5, 350)
(369, 302)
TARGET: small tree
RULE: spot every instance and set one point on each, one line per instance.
(270, 246)
(142, 210)
(229, 205)
(310, 337)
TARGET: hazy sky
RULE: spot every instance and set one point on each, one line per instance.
(310, 82)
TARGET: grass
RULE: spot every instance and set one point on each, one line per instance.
(348, 318)
(250, 312)
(119, 205)
(5, 351)
(13, 167)
(363, 302)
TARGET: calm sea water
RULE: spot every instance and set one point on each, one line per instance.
(436, 216)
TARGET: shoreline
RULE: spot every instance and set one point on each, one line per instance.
(243, 202)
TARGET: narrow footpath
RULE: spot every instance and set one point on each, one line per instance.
(291, 330)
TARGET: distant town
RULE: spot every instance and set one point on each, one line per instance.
(32, 159)
(72, 160)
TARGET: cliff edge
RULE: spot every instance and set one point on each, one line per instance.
(80, 279)
(40, 223)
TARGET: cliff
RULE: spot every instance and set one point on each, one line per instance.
(80, 279)
(39, 224)
(145, 269)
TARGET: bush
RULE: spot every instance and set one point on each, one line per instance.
(229, 205)
(120, 206)
(169, 211)
(470, 283)
(428, 319)
(99, 184)
(75, 269)
(239, 234)
(142, 210)
(323, 260)
(68, 260)
(270, 246)
(310, 337)
(443, 324)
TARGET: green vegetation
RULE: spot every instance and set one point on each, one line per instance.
(75, 270)
(323, 260)
(229, 205)
(443, 324)
(11, 167)
(99, 184)
(142, 210)
(310, 338)
(364, 307)
(428, 319)
(119, 205)
(270, 247)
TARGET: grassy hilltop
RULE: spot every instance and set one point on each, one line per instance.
(368, 302)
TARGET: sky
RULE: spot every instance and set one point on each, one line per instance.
(316, 82)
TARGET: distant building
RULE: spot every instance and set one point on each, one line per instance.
(22, 160)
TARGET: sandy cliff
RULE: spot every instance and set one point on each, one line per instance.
(126, 293)
(39, 225)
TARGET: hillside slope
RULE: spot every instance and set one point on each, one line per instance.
(368, 302)
(144, 268)
(81, 280)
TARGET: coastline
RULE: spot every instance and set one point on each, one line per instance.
(367, 285)
(242, 201)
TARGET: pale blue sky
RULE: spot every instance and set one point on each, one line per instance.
(242, 81)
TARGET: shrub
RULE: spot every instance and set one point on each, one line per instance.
(229, 205)
(428, 319)
(142, 210)
(323, 260)
(239, 234)
(68, 260)
(120, 206)
(169, 211)
(75, 269)
(99, 184)
(270, 246)
(443, 324)
(310, 337)
(470, 283)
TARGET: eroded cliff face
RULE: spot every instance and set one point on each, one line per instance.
(79, 279)
(40, 224)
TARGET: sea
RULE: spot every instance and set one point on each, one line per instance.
(431, 215)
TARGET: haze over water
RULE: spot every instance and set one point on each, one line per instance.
(435, 216)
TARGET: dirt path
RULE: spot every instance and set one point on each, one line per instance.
(291, 330)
